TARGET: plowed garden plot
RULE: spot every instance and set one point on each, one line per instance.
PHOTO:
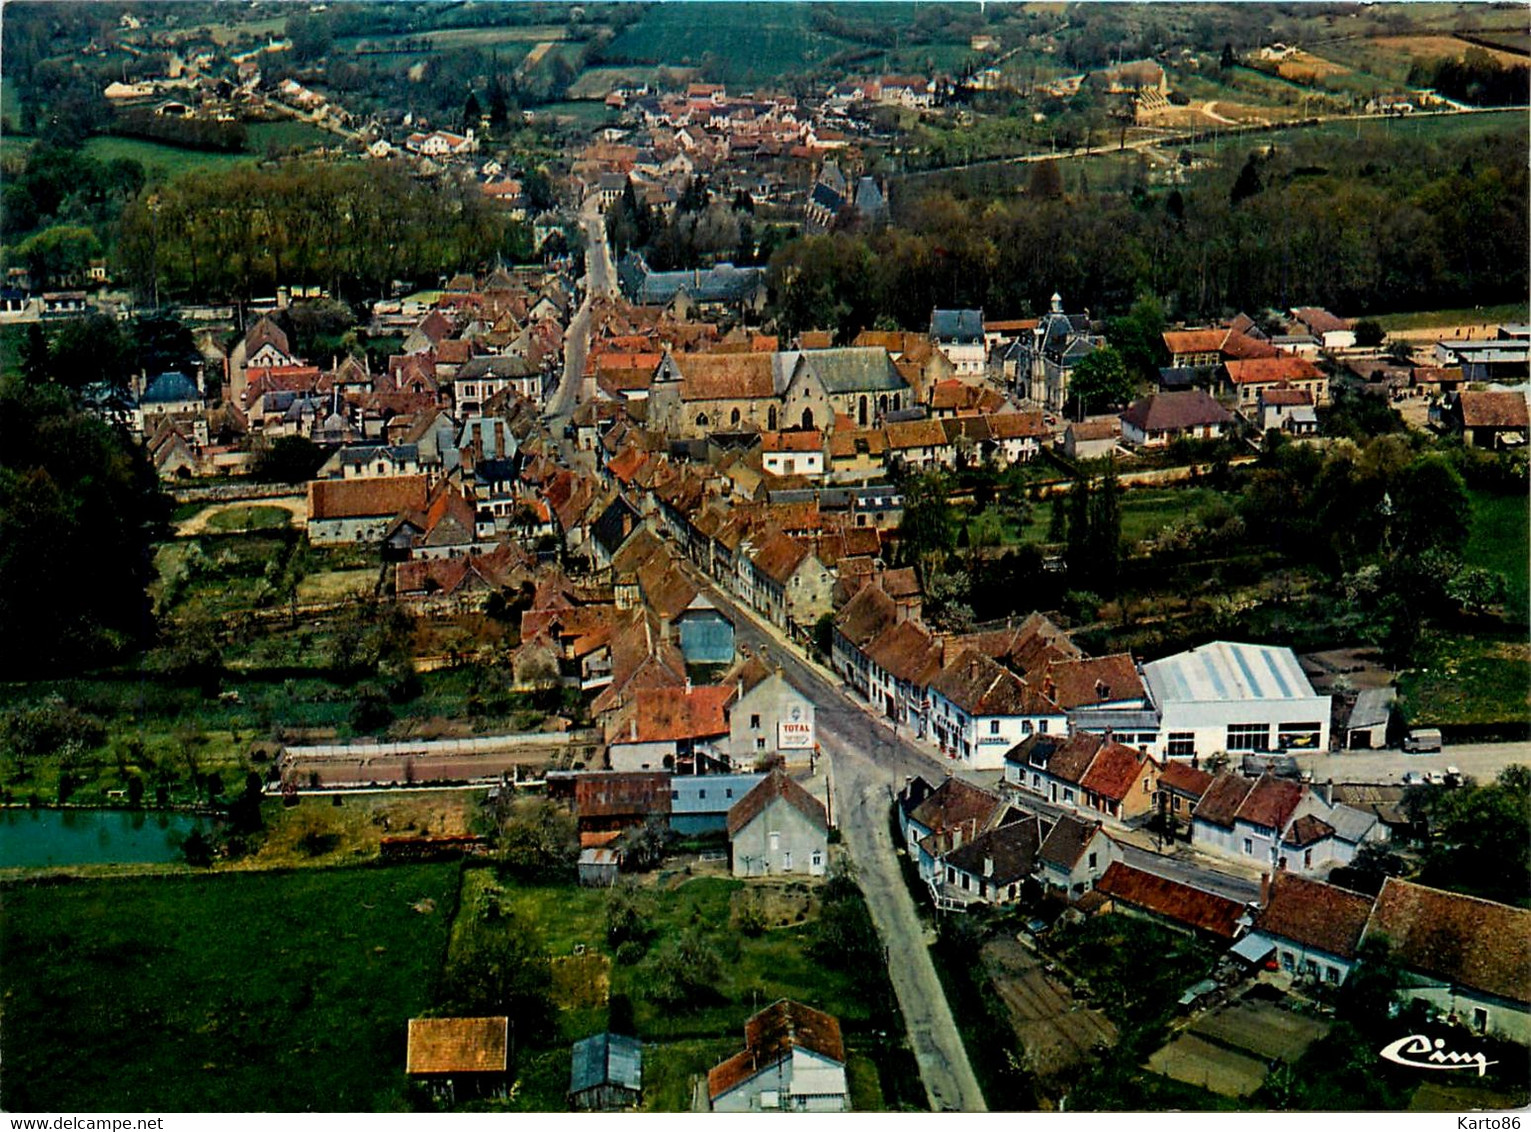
(1056, 1033)
(1264, 1030)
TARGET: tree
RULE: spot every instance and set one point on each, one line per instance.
(1105, 534)
(628, 917)
(537, 839)
(1478, 832)
(1045, 182)
(1369, 333)
(1248, 183)
(687, 971)
(1431, 508)
(927, 531)
(500, 965)
(197, 849)
(79, 509)
(471, 113)
(1099, 381)
(1228, 59)
(1371, 989)
(289, 459)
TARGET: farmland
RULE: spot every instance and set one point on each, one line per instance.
(257, 992)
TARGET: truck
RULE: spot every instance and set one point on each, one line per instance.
(1422, 739)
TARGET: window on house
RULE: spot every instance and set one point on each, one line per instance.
(1181, 743)
(1307, 858)
(1249, 736)
(1480, 1019)
(1036, 782)
(755, 722)
(993, 727)
(701, 420)
(701, 793)
(1309, 968)
(775, 839)
(1025, 727)
(966, 882)
(729, 793)
(1331, 974)
(951, 875)
(1288, 961)
(1068, 795)
(1093, 860)
(674, 794)
(760, 743)
(1042, 727)
(818, 859)
(1249, 847)
(1145, 785)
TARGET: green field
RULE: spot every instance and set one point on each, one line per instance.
(1462, 316)
(249, 518)
(161, 162)
(1499, 541)
(234, 993)
(288, 133)
(741, 43)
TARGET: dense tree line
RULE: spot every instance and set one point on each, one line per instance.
(79, 504)
(54, 186)
(1376, 225)
(1477, 78)
(702, 230)
(230, 234)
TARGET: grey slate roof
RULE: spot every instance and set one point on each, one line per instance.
(854, 369)
(957, 326)
(721, 284)
(606, 1059)
(168, 388)
(709, 793)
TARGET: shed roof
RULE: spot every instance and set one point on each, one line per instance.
(1224, 671)
(606, 1059)
(1174, 900)
(457, 1045)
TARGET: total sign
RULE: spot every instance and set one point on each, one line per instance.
(795, 732)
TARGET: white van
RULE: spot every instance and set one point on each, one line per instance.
(1422, 739)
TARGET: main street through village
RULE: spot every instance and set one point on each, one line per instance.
(868, 762)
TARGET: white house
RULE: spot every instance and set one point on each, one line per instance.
(793, 1061)
(778, 828)
(1313, 928)
(793, 453)
(978, 709)
(1235, 698)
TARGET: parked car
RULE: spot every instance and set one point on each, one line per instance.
(1422, 739)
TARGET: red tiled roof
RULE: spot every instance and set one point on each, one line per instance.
(1184, 778)
(457, 1045)
(810, 440)
(774, 786)
(779, 557)
(1314, 915)
(1166, 412)
(719, 377)
(980, 686)
(1475, 943)
(1092, 680)
(1221, 800)
(954, 803)
(770, 1037)
(1493, 409)
(1268, 371)
(365, 498)
(1271, 802)
(1114, 771)
(660, 715)
(1205, 911)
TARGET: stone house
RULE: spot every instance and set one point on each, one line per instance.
(778, 829)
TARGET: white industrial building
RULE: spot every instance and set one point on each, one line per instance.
(1235, 698)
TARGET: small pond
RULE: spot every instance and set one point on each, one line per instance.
(34, 839)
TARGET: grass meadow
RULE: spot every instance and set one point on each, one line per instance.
(221, 993)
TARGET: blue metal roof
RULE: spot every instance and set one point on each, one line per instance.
(606, 1059)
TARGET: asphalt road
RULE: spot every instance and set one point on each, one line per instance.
(600, 281)
(866, 766)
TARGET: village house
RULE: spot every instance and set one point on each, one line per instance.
(1313, 928)
(979, 709)
(1084, 771)
(1489, 418)
(657, 728)
(1244, 380)
(1158, 420)
(699, 803)
(1468, 958)
(1332, 332)
(360, 510)
(793, 1061)
(769, 718)
(1044, 361)
(934, 820)
(793, 453)
(778, 829)
(959, 335)
(997, 866)
(1289, 410)
(1092, 438)
(788, 583)
(1073, 856)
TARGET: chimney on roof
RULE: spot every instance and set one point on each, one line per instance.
(1265, 889)
(1327, 790)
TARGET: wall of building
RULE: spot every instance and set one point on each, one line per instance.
(780, 841)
